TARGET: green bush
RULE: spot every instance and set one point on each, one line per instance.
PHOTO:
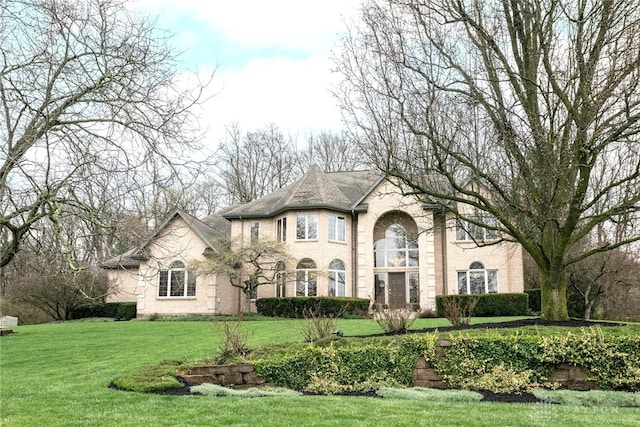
(498, 363)
(295, 307)
(352, 366)
(116, 310)
(515, 304)
(535, 299)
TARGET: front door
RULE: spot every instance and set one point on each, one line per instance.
(397, 291)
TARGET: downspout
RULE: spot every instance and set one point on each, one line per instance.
(354, 254)
(241, 271)
(443, 248)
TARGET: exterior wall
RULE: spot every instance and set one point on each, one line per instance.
(124, 283)
(178, 242)
(506, 257)
(386, 199)
(320, 250)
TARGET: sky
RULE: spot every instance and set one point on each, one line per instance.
(272, 59)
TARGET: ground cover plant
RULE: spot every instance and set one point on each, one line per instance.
(58, 375)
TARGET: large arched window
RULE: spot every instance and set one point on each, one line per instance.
(396, 249)
(306, 278)
(281, 279)
(337, 278)
(477, 280)
(177, 281)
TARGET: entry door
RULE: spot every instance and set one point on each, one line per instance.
(397, 291)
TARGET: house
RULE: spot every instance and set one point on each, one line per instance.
(349, 233)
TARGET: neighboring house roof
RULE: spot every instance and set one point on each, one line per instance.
(341, 191)
(125, 260)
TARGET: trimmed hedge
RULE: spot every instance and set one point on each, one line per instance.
(490, 304)
(535, 299)
(295, 307)
(116, 310)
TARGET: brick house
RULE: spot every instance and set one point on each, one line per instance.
(349, 233)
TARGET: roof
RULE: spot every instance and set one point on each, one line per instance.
(341, 191)
(208, 229)
(125, 260)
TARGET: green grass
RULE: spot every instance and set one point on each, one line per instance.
(58, 375)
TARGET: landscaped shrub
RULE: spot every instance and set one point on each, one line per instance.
(355, 365)
(115, 310)
(295, 307)
(317, 326)
(535, 299)
(395, 321)
(514, 304)
(497, 363)
(458, 310)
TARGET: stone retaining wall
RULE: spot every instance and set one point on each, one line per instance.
(226, 375)
(568, 376)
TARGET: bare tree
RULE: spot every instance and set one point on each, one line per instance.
(40, 276)
(332, 153)
(528, 112)
(88, 92)
(256, 163)
(248, 265)
(590, 280)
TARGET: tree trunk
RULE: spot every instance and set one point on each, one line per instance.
(554, 295)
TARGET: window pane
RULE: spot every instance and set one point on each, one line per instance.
(341, 230)
(177, 283)
(462, 283)
(342, 279)
(301, 283)
(492, 277)
(312, 286)
(414, 288)
(284, 229)
(191, 284)
(313, 227)
(396, 259)
(163, 284)
(332, 227)
(301, 227)
(413, 258)
(476, 282)
(332, 283)
(461, 232)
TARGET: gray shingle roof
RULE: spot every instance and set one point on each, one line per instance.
(208, 229)
(341, 191)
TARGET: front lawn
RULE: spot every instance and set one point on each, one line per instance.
(58, 375)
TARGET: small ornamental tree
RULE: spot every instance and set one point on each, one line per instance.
(248, 265)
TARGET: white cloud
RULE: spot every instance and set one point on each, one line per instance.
(273, 56)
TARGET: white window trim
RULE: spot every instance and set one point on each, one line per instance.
(486, 280)
(306, 227)
(187, 275)
(333, 232)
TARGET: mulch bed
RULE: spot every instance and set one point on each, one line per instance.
(571, 323)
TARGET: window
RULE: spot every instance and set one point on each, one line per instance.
(395, 249)
(281, 230)
(281, 280)
(255, 230)
(468, 231)
(337, 230)
(177, 281)
(307, 226)
(414, 288)
(477, 280)
(306, 278)
(337, 278)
